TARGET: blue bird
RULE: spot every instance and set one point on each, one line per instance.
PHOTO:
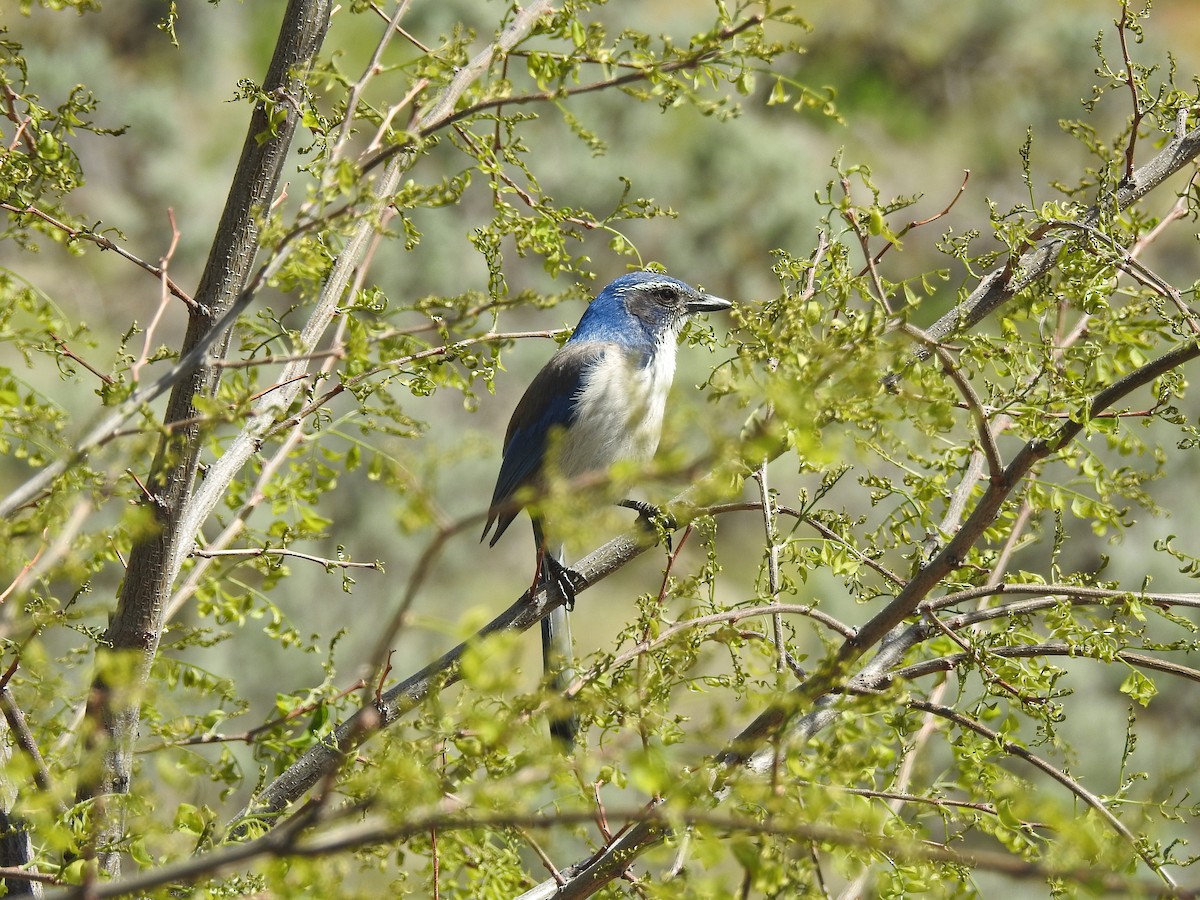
(599, 400)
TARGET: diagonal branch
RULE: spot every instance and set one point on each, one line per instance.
(949, 558)
(813, 705)
(1014, 749)
(1022, 269)
(104, 243)
(398, 700)
(1030, 651)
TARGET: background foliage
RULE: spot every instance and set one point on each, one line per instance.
(927, 624)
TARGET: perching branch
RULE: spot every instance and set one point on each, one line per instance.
(819, 693)
(442, 672)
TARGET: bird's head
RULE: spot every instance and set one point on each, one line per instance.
(643, 308)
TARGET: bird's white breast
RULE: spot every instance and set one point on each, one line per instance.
(620, 410)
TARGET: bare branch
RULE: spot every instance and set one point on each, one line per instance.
(255, 552)
(163, 302)
(1135, 118)
(104, 243)
(945, 211)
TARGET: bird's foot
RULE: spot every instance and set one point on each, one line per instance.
(564, 579)
(654, 518)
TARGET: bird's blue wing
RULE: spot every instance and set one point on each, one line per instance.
(548, 403)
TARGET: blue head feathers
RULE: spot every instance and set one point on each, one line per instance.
(603, 391)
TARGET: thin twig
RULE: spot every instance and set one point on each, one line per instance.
(526, 197)
(1013, 749)
(432, 123)
(70, 354)
(540, 854)
(827, 533)
(1024, 267)
(987, 440)
(251, 734)
(255, 552)
(17, 873)
(1055, 590)
(19, 581)
(1033, 651)
(47, 557)
(864, 242)
(976, 656)
(772, 538)
(394, 110)
(428, 51)
(27, 743)
(164, 299)
(1135, 120)
(729, 617)
(918, 224)
(22, 133)
(373, 68)
(335, 353)
(104, 243)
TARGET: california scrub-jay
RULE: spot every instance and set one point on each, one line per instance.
(599, 400)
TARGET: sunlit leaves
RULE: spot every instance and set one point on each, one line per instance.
(876, 459)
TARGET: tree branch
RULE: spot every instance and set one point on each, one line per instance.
(1046, 768)
(135, 627)
(104, 243)
(948, 559)
(818, 696)
(441, 673)
(1022, 269)
(1032, 651)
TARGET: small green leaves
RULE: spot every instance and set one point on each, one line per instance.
(439, 231)
(1139, 687)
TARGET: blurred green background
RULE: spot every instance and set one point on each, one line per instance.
(927, 89)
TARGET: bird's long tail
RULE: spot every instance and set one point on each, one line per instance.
(560, 668)
(558, 661)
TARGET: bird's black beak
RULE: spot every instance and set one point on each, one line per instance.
(707, 303)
